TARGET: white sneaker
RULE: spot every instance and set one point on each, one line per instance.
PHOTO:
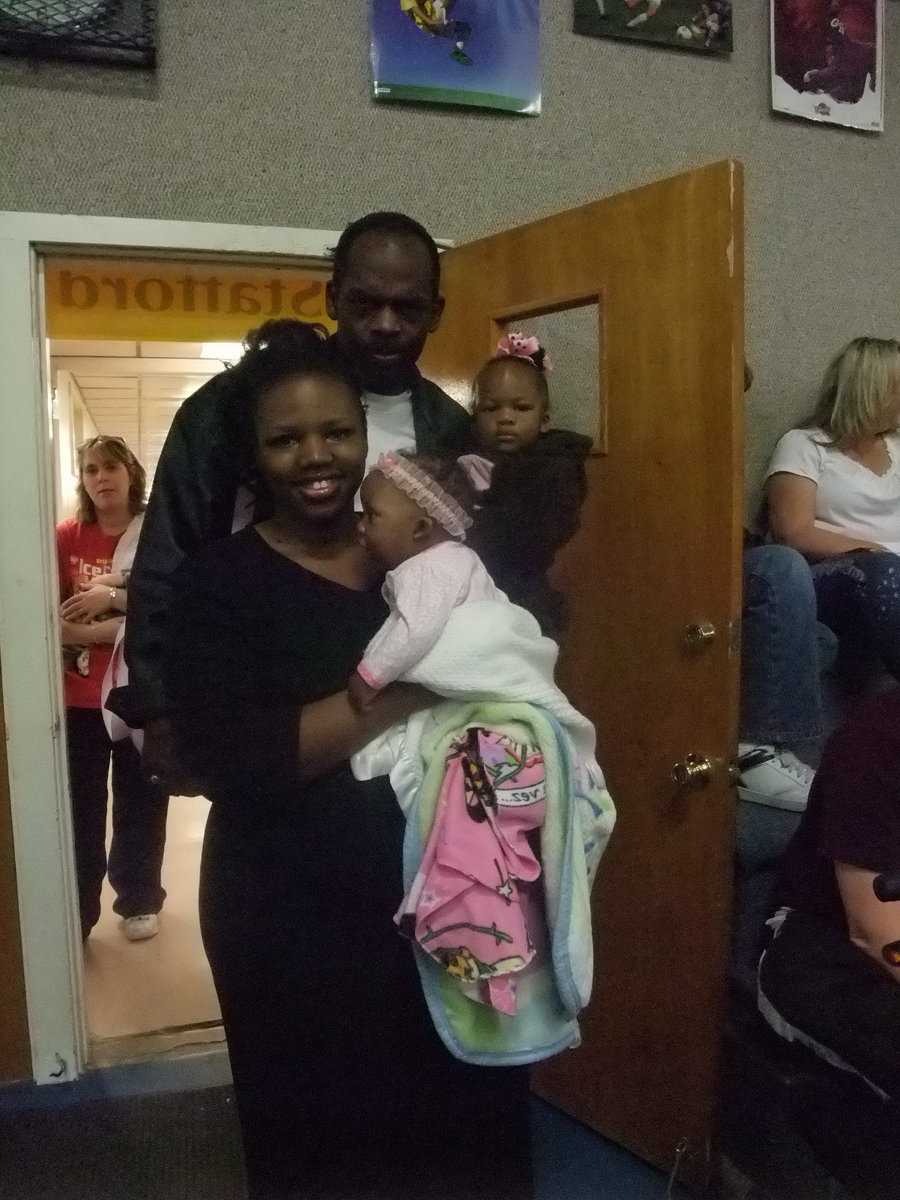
(773, 777)
(138, 929)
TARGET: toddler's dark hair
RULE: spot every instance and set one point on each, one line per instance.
(448, 474)
(533, 363)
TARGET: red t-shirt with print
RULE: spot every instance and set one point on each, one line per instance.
(84, 552)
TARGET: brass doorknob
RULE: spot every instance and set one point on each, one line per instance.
(698, 635)
(694, 771)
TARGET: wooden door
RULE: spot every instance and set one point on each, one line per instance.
(659, 551)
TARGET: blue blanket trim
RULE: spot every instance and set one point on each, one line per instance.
(562, 963)
(431, 987)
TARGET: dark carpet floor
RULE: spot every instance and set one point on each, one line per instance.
(179, 1146)
(61, 1144)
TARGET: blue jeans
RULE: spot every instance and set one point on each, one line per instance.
(784, 649)
(858, 598)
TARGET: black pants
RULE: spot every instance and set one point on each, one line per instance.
(835, 994)
(344, 1090)
(139, 821)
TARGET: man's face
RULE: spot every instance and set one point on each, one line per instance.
(385, 307)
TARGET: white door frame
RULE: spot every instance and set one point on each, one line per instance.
(29, 650)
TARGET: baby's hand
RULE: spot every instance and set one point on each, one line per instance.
(360, 694)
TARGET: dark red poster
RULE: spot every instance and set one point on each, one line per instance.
(828, 61)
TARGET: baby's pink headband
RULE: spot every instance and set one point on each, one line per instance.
(428, 493)
(517, 345)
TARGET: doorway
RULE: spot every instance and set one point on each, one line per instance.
(123, 302)
(128, 341)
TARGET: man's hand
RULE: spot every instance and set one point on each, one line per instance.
(160, 763)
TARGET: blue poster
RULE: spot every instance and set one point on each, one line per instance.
(482, 53)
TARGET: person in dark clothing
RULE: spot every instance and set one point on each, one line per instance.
(538, 485)
(828, 977)
(385, 297)
(344, 1089)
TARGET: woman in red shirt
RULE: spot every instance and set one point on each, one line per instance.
(111, 491)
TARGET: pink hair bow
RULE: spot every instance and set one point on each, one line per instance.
(517, 345)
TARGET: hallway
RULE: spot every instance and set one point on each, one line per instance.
(163, 985)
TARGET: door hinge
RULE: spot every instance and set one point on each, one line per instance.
(62, 1070)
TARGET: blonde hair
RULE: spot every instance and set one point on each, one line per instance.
(110, 449)
(857, 386)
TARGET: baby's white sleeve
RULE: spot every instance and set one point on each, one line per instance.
(425, 590)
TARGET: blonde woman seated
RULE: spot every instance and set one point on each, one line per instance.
(833, 493)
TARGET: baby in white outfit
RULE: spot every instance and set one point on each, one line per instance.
(416, 510)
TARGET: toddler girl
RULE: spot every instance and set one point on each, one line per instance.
(538, 484)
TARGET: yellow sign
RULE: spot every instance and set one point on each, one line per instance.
(111, 299)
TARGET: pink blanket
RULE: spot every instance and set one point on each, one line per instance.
(475, 904)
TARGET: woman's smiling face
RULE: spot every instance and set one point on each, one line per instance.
(311, 448)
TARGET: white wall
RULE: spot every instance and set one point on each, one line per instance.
(261, 114)
(71, 426)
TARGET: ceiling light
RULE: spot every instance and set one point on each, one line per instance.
(228, 352)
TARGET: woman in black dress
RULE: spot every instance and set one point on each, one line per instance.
(343, 1087)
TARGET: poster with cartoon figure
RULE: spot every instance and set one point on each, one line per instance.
(703, 26)
(828, 61)
(481, 53)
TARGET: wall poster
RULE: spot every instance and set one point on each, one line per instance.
(699, 25)
(828, 61)
(481, 53)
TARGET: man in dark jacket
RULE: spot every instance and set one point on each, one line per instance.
(385, 297)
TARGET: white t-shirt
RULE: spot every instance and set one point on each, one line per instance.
(850, 499)
(390, 421)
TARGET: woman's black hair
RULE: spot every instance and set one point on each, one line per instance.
(284, 347)
(389, 224)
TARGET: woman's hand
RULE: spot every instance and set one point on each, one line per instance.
(871, 923)
(114, 579)
(94, 634)
(88, 602)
